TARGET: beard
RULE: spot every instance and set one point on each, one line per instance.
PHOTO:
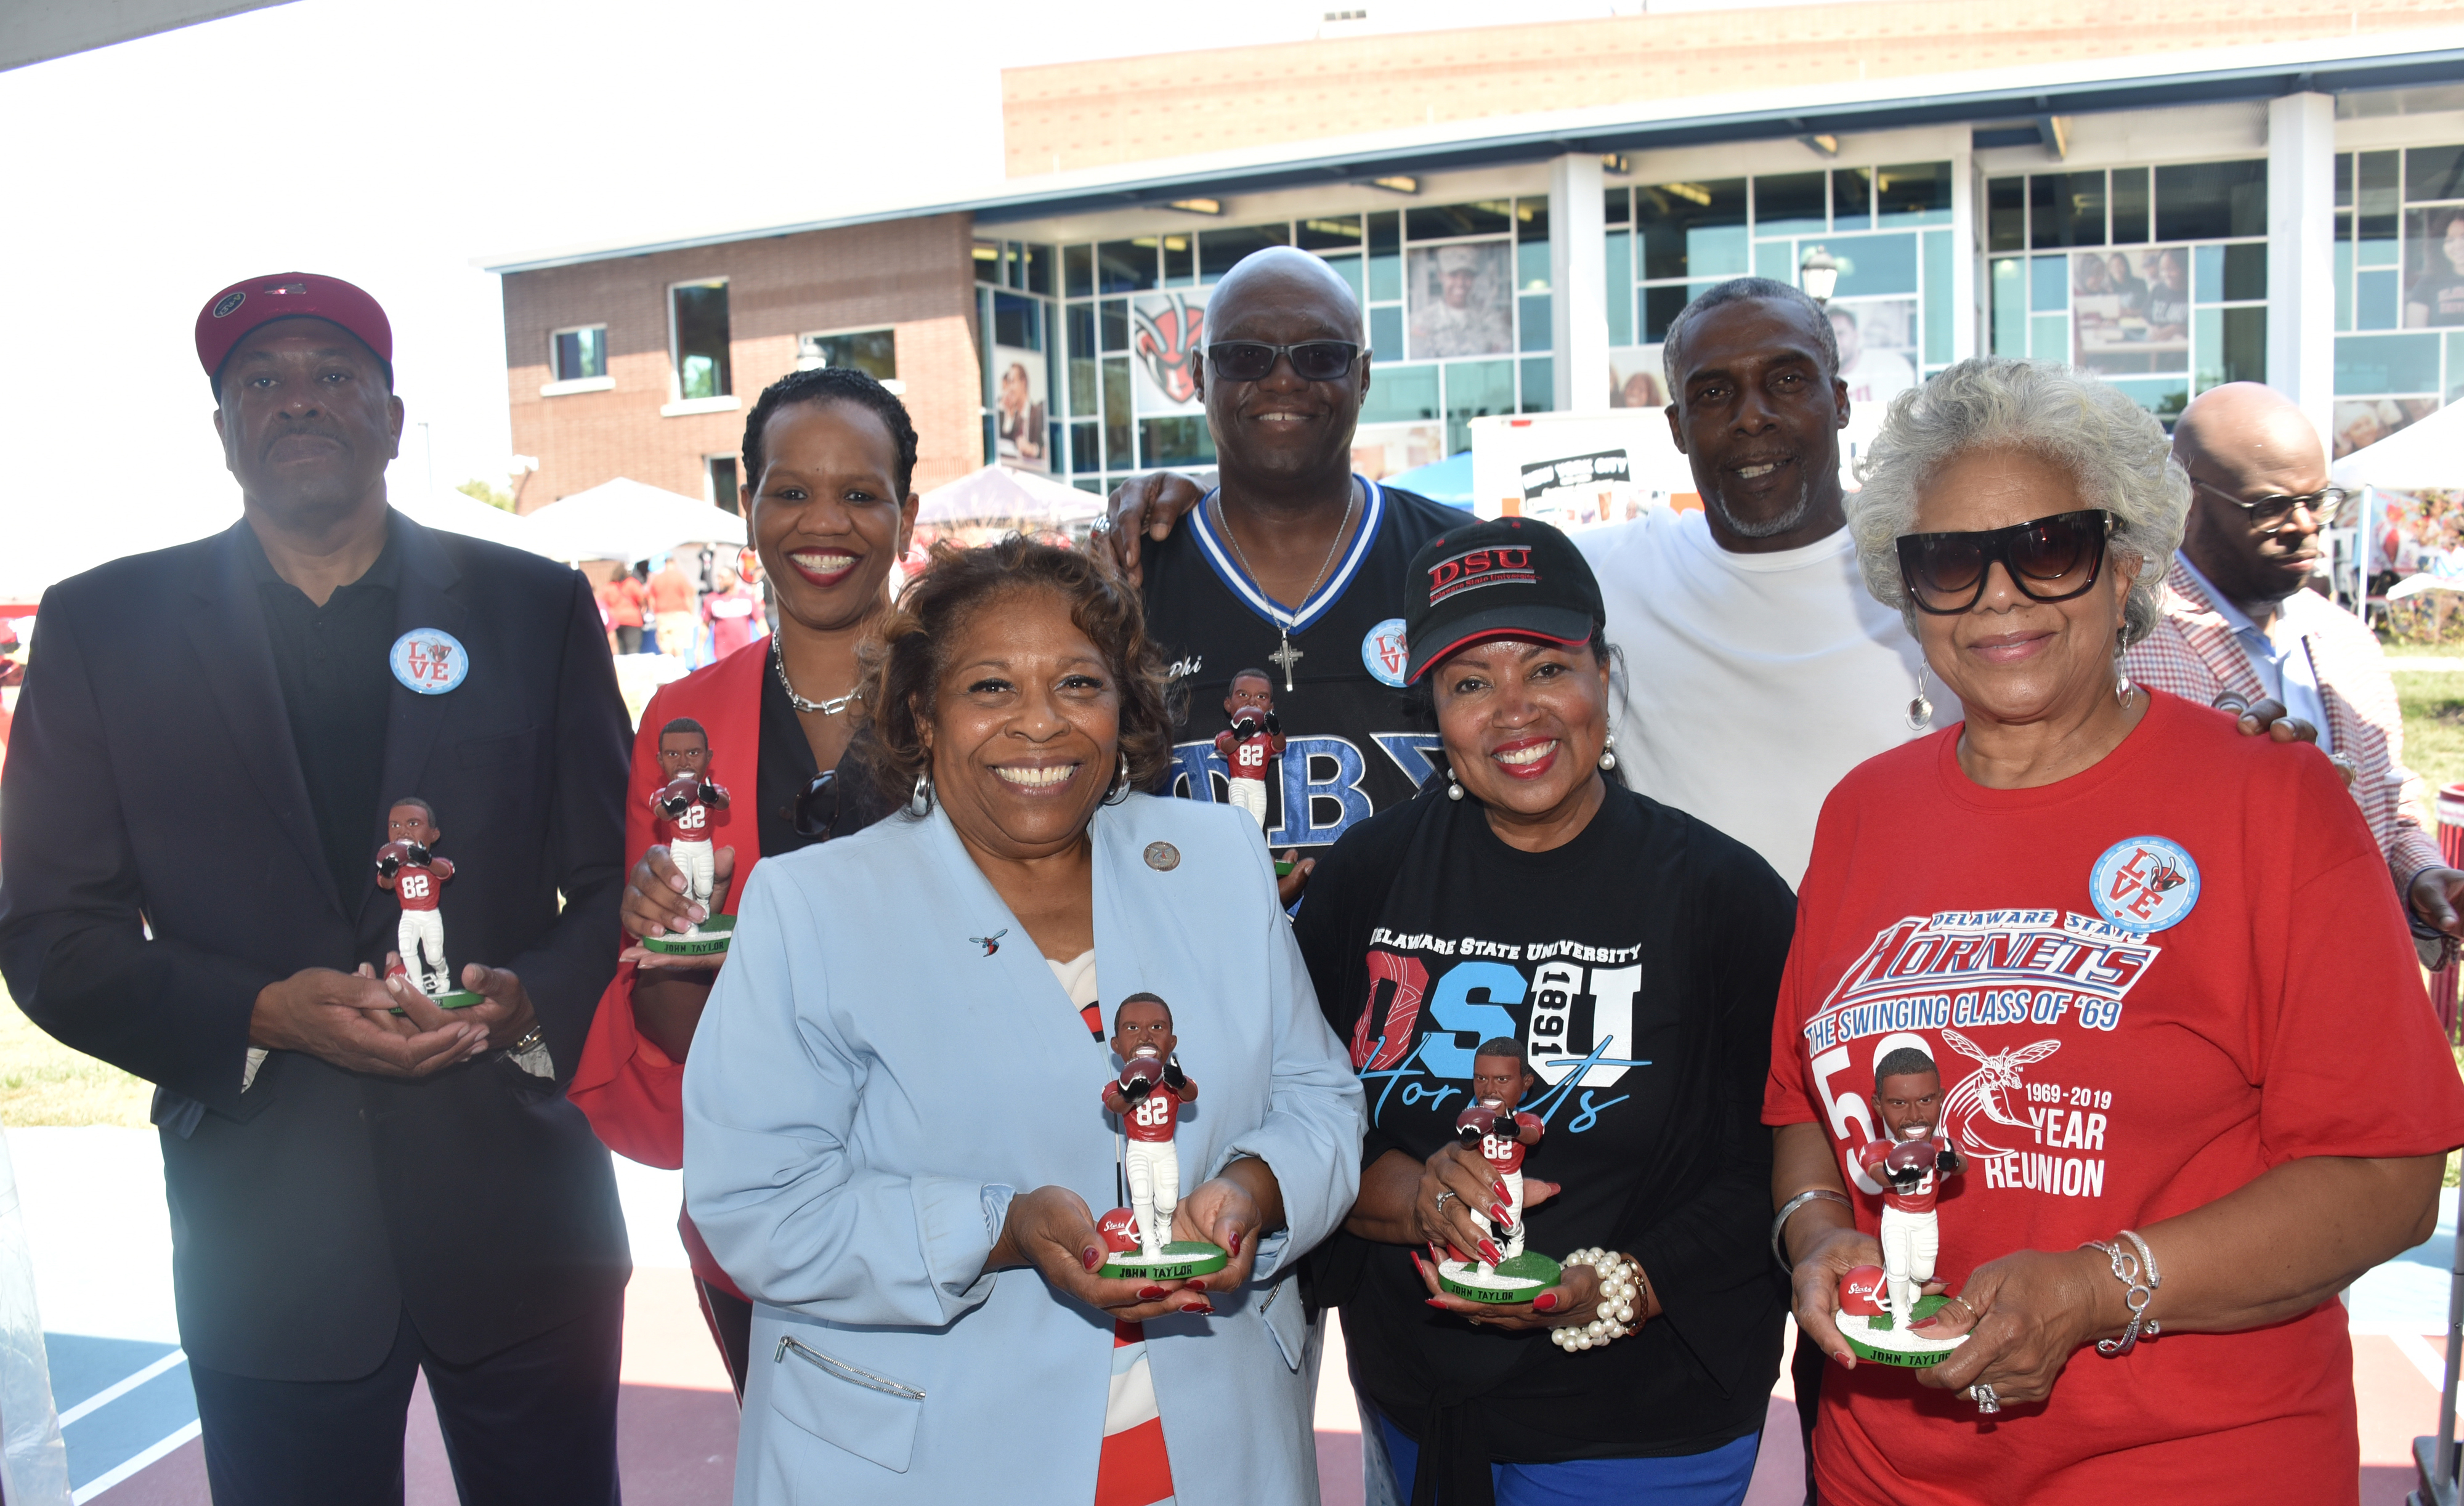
(1767, 527)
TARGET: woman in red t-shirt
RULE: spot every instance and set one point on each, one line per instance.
(2163, 978)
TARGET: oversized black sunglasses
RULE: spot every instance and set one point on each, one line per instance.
(1312, 361)
(2048, 559)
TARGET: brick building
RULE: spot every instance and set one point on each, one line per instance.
(2175, 196)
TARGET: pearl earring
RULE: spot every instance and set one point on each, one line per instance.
(1453, 786)
(1608, 754)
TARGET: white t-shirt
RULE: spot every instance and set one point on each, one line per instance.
(1754, 682)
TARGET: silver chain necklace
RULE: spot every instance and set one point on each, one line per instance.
(779, 661)
(1287, 655)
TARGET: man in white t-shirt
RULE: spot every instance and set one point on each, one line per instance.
(1762, 671)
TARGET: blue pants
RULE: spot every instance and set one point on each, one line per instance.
(1718, 1477)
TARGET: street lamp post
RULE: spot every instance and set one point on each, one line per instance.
(1817, 274)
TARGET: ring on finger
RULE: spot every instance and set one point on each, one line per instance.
(1987, 1402)
(1442, 1194)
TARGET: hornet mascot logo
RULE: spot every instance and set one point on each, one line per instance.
(1166, 338)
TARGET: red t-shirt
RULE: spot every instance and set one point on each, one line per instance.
(2263, 1005)
(1249, 756)
(670, 591)
(418, 885)
(693, 825)
(1153, 1118)
(622, 600)
(1918, 1200)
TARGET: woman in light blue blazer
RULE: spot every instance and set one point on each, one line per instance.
(894, 1137)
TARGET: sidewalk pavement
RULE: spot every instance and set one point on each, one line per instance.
(101, 1242)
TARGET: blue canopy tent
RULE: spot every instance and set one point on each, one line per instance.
(1447, 480)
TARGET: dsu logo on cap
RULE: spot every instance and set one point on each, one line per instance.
(429, 660)
(228, 304)
(1478, 568)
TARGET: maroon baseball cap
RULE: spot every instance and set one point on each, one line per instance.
(231, 313)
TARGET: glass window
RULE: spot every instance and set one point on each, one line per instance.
(1442, 221)
(1183, 440)
(2048, 337)
(1776, 260)
(577, 355)
(988, 262)
(1852, 198)
(2370, 364)
(1531, 220)
(1341, 233)
(2048, 283)
(2165, 397)
(1871, 265)
(1386, 331)
(1179, 261)
(2343, 180)
(1036, 262)
(1530, 266)
(1078, 270)
(1402, 395)
(1532, 314)
(1117, 453)
(2434, 172)
(1475, 389)
(1937, 298)
(1017, 321)
(718, 478)
(2010, 307)
(1219, 251)
(1539, 392)
(2343, 273)
(2454, 365)
(2378, 206)
(2065, 209)
(2228, 345)
(1083, 399)
(1086, 445)
(1618, 205)
(698, 313)
(2210, 201)
(1125, 267)
(2006, 215)
(1621, 288)
(1913, 193)
(873, 352)
(1347, 268)
(1792, 203)
(1112, 322)
(1661, 307)
(2129, 206)
(1692, 230)
(2376, 301)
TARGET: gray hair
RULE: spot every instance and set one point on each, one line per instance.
(1740, 289)
(2113, 449)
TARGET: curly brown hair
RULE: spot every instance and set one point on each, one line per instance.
(902, 663)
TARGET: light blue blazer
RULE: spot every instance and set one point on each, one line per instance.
(872, 1078)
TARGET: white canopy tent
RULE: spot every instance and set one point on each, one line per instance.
(2429, 453)
(1003, 494)
(455, 512)
(627, 519)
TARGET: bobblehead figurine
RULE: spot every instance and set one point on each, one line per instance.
(407, 864)
(1911, 1165)
(683, 806)
(1255, 736)
(1148, 1096)
(1500, 1079)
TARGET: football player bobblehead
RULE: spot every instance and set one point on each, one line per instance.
(1498, 1080)
(684, 804)
(1911, 1165)
(407, 864)
(1255, 736)
(1148, 1096)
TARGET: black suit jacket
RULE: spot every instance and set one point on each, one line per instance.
(164, 866)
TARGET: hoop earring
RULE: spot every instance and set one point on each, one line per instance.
(1920, 711)
(1120, 786)
(919, 804)
(1608, 754)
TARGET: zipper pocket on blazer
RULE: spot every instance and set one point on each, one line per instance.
(845, 1372)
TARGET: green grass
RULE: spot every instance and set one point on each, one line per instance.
(44, 1083)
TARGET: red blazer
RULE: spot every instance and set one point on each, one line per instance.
(629, 1088)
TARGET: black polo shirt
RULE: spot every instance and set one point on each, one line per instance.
(331, 663)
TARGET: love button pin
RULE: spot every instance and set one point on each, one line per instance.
(429, 660)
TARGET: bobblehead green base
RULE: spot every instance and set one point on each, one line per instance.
(459, 998)
(1182, 1260)
(1879, 1340)
(1517, 1278)
(713, 939)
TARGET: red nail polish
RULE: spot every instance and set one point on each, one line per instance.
(1437, 1303)
(1235, 1248)
(1544, 1302)
(1416, 1261)
(1091, 1257)
(1488, 1253)
(1845, 1362)
(1498, 1188)
(1497, 1215)
(1201, 1309)
(1149, 1294)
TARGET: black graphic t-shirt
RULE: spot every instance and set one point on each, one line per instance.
(2442, 295)
(1349, 750)
(1639, 964)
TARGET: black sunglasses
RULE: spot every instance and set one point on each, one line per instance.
(817, 809)
(1312, 361)
(2270, 513)
(1946, 573)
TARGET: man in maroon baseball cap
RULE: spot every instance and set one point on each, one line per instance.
(369, 1184)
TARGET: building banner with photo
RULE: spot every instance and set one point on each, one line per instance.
(1462, 300)
(2434, 269)
(1379, 450)
(1877, 361)
(2361, 423)
(1166, 330)
(2130, 310)
(1021, 436)
(1637, 377)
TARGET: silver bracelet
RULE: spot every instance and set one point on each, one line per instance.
(2129, 1269)
(1810, 1194)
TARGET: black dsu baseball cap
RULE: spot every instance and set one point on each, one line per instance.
(1506, 576)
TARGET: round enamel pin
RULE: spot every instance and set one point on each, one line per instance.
(1383, 652)
(1162, 857)
(2144, 884)
(429, 660)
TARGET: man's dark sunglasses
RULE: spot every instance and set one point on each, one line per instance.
(2271, 512)
(1312, 361)
(2050, 560)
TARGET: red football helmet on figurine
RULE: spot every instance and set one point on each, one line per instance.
(1119, 1228)
(1861, 1292)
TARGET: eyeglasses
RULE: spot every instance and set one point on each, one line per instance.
(1946, 573)
(2270, 513)
(817, 809)
(1312, 361)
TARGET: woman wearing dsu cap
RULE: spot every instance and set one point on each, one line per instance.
(1526, 903)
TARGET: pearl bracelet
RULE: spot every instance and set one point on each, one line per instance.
(1620, 1291)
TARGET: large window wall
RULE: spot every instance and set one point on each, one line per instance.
(2399, 289)
(2155, 277)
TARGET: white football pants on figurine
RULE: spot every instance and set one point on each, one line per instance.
(694, 858)
(1909, 1244)
(422, 934)
(1250, 795)
(1153, 1169)
(1509, 1239)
